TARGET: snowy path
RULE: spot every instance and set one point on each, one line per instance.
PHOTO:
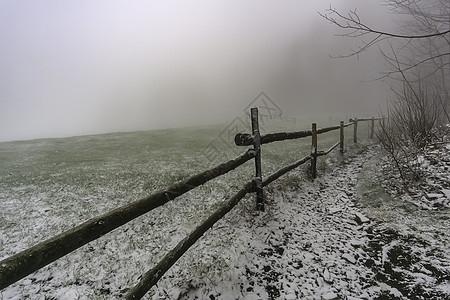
(313, 242)
(312, 246)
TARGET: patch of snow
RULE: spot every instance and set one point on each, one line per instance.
(433, 196)
(361, 219)
(446, 193)
(350, 258)
(330, 296)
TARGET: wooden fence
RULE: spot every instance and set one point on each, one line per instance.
(30, 260)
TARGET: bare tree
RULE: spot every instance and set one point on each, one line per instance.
(429, 21)
(421, 47)
(418, 64)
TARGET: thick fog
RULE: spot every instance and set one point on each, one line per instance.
(82, 67)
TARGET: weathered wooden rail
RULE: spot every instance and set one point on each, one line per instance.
(30, 260)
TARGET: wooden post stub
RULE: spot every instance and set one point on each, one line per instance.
(314, 151)
(372, 128)
(355, 130)
(257, 147)
(341, 137)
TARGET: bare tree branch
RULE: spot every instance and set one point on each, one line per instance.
(357, 29)
(353, 22)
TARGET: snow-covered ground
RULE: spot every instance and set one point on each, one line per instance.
(319, 241)
(341, 236)
(433, 164)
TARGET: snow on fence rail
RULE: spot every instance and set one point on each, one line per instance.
(32, 259)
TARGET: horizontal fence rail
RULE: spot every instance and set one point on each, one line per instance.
(326, 152)
(30, 260)
(245, 139)
(269, 179)
(365, 119)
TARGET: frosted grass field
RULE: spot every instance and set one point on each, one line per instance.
(48, 186)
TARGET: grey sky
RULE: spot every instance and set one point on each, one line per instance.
(80, 67)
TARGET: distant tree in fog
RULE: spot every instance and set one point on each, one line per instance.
(419, 50)
(418, 63)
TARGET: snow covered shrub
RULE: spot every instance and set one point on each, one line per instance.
(412, 117)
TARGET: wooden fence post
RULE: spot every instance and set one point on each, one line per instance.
(372, 128)
(257, 147)
(355, 130)
(341, 138)
(314, 151)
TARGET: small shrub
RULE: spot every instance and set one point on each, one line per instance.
(409, 128)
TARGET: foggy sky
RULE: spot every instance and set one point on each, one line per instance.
(82, 67)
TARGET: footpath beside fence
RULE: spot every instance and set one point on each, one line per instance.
(24, 263)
